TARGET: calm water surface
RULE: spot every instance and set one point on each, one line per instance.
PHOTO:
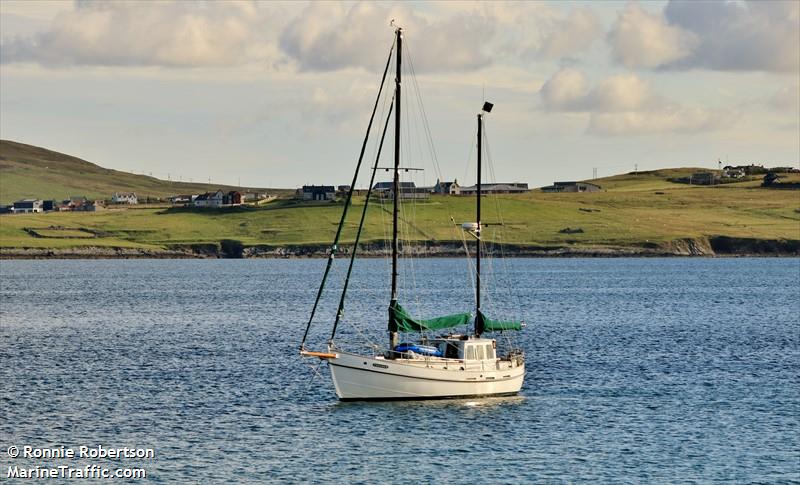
(639, 370)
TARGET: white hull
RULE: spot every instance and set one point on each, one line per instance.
(358, 377)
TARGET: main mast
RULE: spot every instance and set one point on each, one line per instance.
(393, 340)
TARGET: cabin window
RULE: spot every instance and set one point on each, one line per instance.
(480, 352)
(489, 352)
(470, 352)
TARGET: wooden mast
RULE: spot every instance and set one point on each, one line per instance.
(393, 339)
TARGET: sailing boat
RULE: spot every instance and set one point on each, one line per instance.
(449, 366)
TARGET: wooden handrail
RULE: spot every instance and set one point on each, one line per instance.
(321, 355)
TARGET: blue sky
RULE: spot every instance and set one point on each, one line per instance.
(279, 94)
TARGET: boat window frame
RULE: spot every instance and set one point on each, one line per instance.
(469, 352)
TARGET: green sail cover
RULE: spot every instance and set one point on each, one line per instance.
(483, 324)
(401, 321)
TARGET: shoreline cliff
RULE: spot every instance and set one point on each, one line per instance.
(716, 246)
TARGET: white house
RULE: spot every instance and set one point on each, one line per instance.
(210, 199)
(25, 206)
(124, 198)
(447, 188)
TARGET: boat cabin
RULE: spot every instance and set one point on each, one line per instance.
(467, 349)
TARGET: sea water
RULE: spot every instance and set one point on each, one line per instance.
(638, 370)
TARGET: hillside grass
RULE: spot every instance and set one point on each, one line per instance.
(632, 210)
(27, 171)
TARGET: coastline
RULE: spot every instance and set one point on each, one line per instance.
(716, 246)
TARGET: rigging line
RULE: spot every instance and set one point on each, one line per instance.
(490, 242)
(460, 234)
(362, 335)
(347, 202)
(414, 149)
(432, 148)
(385, 241)
(375, 153)
(501, 241)
(468, 166)
(359, 286)
(412, 258)
(340, 311)
(316, 374)
(470, 260)
(424, 116)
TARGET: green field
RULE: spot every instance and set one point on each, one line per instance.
(31, 172)
(633, 210)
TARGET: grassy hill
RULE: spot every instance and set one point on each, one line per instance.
(633, 211)
(29, 171)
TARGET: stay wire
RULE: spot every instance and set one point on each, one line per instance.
(334, 246)
(340, 310)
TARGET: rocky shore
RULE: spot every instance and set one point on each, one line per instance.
(709, 247)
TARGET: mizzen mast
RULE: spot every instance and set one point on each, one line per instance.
(487, 108)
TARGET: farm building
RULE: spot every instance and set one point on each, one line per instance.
(124, 198)
(387, 186)
(704, 178)
(572, 187)
(87, 205)
(25, 206)
(318, 192)
(447, 188)
(733, 173)
(185, 199)
(254, 196)
(770, 179)
(75, 201)
(232, 198)
(209, 199)
(512, 188)
(408, 190)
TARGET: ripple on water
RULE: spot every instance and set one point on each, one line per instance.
(639, 370)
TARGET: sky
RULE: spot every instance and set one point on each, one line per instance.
(275, 94)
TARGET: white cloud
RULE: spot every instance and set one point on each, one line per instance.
(724, 36)
(786, 99)
(329, 36)
(625, 104)
(315, 36)
(623, 92)
(670, 119)
(566, 36)
(566, 90)
(639, 38)
(176, 34)
(755, 35)
(450, 36)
